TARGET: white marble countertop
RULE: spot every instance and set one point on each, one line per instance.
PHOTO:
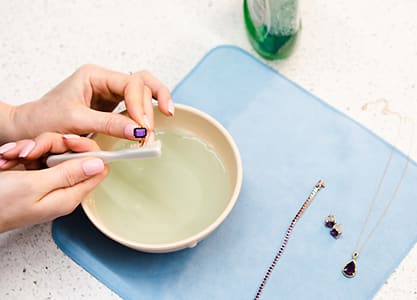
(350, 53)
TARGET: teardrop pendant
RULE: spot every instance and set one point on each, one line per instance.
(349, 270)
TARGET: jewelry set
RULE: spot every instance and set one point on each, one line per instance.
(350, 268)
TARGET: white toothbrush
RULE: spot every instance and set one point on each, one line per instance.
(147, 151)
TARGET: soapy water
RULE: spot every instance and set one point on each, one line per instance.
(166, 199)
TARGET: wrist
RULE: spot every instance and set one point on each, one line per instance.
(25, 118)
(7, 123)
(16, 122)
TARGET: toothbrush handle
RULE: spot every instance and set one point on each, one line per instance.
(107, 156)
(54, 160)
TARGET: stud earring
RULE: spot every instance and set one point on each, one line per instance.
(335, 229)
(330, 221)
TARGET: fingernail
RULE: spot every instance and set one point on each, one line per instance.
(3, 161)
(7, 147)
(146, 120)
(129, 130)
(70, 136)
(28, 148)
(171, 107)
(151, 138)
(93, 166)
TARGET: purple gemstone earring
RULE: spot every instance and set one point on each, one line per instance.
(330, 221)
(335, 229)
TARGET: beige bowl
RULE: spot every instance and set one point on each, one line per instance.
(213, 133)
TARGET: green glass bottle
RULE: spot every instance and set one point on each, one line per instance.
(272, 26)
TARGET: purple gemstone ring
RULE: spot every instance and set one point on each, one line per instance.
(139, 132)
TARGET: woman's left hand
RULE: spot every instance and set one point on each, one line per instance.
(72, 106)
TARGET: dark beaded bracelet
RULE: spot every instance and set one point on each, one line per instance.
(319, 185)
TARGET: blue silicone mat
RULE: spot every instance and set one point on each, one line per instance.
(288, 140)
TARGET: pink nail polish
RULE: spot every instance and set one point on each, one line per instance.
(151, 138)
(93, 166)
(27, 149)
(146, 121)
(171, 107)
(3, 161)
(7, 147)
(70, 136)
(129, 129)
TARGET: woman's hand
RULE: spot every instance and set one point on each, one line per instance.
(71, 107)
(32, 197)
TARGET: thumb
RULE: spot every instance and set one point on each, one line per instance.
(66, 185)
(112, 124)
(70, 173)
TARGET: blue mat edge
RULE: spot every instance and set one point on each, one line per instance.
(120, 292)
(94, 272)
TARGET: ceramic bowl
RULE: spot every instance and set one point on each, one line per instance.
(211, 132)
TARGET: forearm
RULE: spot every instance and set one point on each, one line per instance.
(8, 130)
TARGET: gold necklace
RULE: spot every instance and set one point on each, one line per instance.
(349, 269)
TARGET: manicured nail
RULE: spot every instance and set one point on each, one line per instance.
(129, 130)
(171, 107)
(146, 120)
(27, 149)
(93, 166)
(70, 136)
(3, 161)
(151, 138)
(7, 147)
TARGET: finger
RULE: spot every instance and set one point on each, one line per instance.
(112, 86)
(34, 165)
(14, 157)
(3, 161)
(133, 95)
(7, 147)
(21, 149)
(112, 124)
(63, 201)
(159, 92)
(106, 85)
(7, 164)
(69, 173)
(148, 108)
(50, 142)
(76, 143)
(33, 150)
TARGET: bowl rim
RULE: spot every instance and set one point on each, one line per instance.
(194, 239)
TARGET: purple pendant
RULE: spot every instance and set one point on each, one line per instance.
(349, 270)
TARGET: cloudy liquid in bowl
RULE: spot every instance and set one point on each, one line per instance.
(166, 199)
